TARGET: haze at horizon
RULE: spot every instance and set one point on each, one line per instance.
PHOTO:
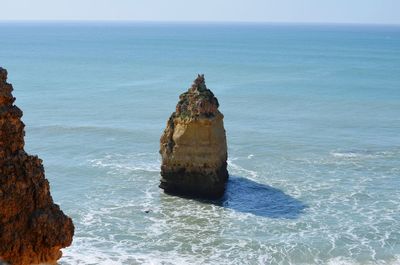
(286, 11)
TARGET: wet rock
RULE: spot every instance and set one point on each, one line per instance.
(32, 228)
(193, 146)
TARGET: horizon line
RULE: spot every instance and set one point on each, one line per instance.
(195, 22)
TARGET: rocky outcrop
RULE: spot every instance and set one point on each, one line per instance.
(193, 146)
(32, 228)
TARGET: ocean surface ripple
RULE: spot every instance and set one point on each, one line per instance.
(312, 116)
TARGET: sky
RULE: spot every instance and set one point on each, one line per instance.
(291, 11)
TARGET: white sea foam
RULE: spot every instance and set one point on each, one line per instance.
(236, 169)
(128, 162)
(350, 261)
(87, 255)
(145, 226)
(361, 154)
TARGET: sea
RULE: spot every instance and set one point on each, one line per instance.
(312, 118)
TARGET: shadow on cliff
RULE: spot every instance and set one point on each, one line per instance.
(247, 196)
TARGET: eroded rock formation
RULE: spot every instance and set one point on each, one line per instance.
(193, 146)
(32, 228)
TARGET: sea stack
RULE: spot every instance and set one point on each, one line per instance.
(193, 146)
(32, 228)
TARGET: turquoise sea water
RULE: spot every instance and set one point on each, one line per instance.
(312, 114)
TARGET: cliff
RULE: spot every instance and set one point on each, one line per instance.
(32, 228)
(193, 146)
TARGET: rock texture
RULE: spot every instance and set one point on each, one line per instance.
(193, 146)
(32, 228)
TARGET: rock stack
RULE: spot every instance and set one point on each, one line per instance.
(32, 228)
(193, 146)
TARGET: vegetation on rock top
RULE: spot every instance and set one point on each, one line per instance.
(198, 101)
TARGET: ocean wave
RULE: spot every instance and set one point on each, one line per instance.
(65, 128)
(87, 255)
(128, 162)
(236, 169)
(149, 227)
(349, 261)
(361, 154)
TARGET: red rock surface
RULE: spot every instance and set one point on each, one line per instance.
(32, 228)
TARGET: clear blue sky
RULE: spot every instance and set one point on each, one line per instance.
(321, 11)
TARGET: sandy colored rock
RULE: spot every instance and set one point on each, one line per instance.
(193, 146)
(32, 228)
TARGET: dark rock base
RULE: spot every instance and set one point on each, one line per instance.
(200, 184)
